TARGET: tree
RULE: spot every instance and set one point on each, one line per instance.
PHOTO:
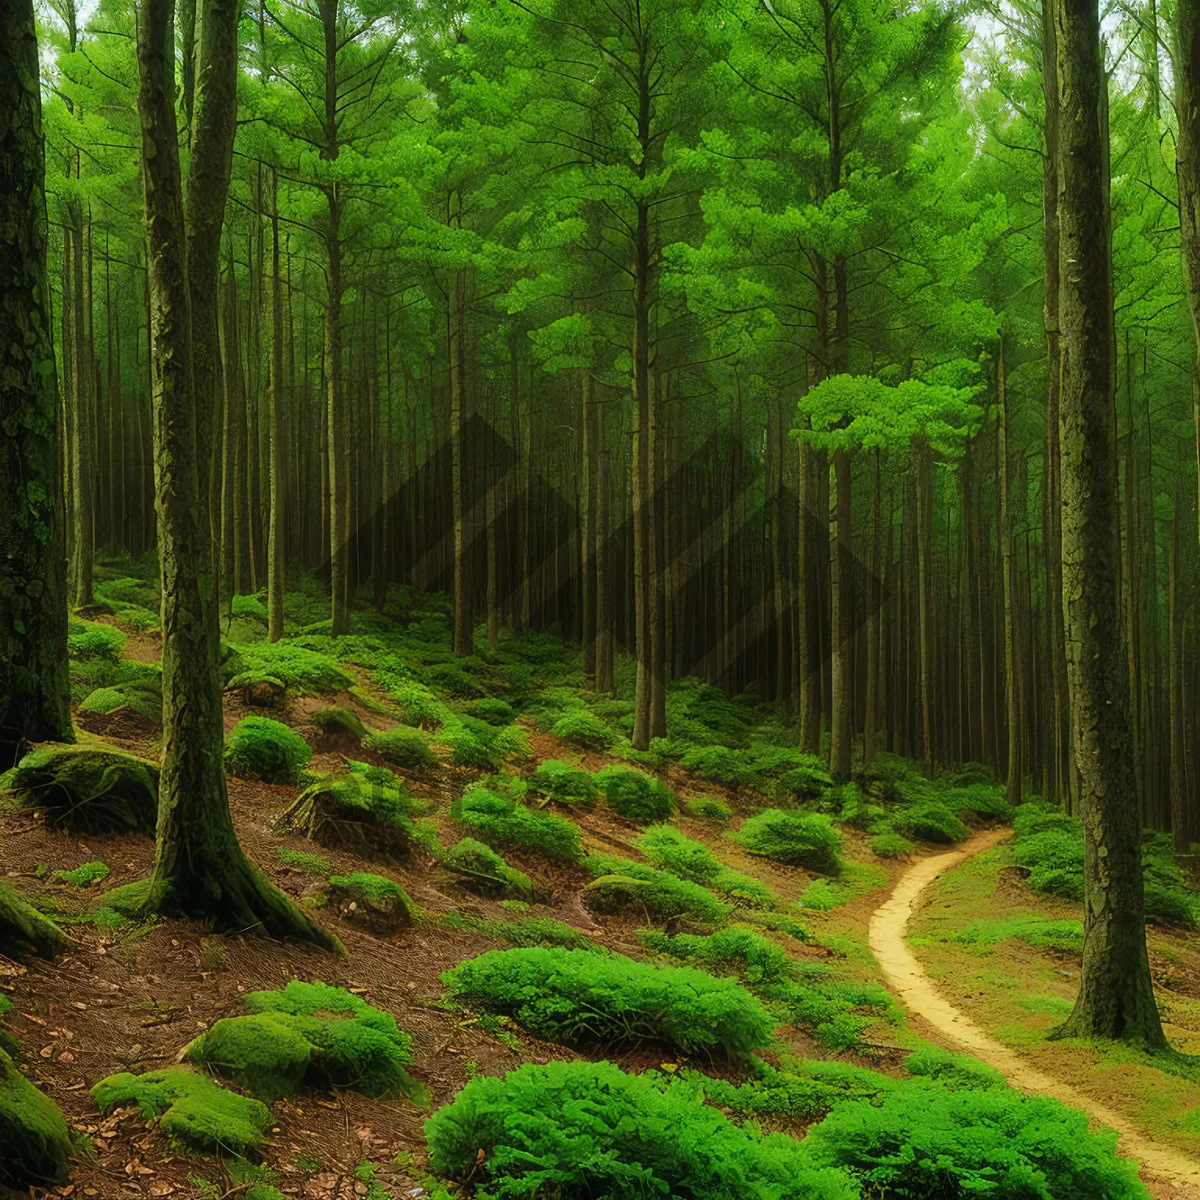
(1116, 998)
(34, 693)
(199, 868)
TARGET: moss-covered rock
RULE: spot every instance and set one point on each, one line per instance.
(197, 1115)
(35, 1142)
(87, 788)
(486, 871)
(340, 728)
(258, 689)
(24, 930)
(259, 748)
(348, 810)
(403, 747)
(371, 900)
(102, 701)
(309, 1035)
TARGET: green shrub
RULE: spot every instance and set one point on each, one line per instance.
(308, 1034)
(799, 839)
(802, 1092)
(709, 808)
(102, 701)
(477, 744)
(575, 1129)
(580, 999)
(453, 679)
(621, 883)
(929, 1141)
(403, 747)
(195, 1113)
(373, 900)
(347, 810)
(528, 931)
(757, 961)
(86, 875)
(984, 799)
(774, 921)
(300, 670)
(87, 788)
(719, 764)
(929, 821)
(302, 860)
(94, 639)
(564, 784)
(890, 844)
(669, 849)
(581, 727)
(486, 870)
(954, 1070)
(492, 710)
(339, 722)
(501, 822)
(1064, 936)
(636, 796)
(259, 748)
(35, 1141)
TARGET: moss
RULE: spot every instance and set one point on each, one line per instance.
(24, 930)
(372, 900)
(196, 1114)
(498, 821)
(102, 701)
(258, 689)
(306, 672)
(486, 871)
(891, 845)
(799, 839)
(526, 931)
(35, 1142)
(403, 747)
(303, 860)
(339, 723)
(86, 875)
(492, 710)
(583, 728)
(308, 1035)
(621, 883)
(259, 748)
(477, 744)
(347, 810)
(709, 808)
(87, 788)
(564, 784)
(635, 795)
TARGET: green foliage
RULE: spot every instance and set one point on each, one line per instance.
(589, 1129)
(87, 788)
(621, 883)
(1064, 936)
(102, 701)
(308, 1034)
(984, 799)
(455, 678)
(891, 845)
(347, 810)
(133, 602)
(719, 764)
(736, 949)
(86, 875)
(477, 744)
(929, 821)
(954, 1070)
(196, 1114)
(708, 807)
(928, 1141)
(94, 639)
(580, 999)
(581, 727)
(669, 849)
(259, 748)
(303, 860)
(563, 783)
(527, 931)
(374, 900)
(501, 822)
(35, 1142)
(403, 747)
(636, 796)
(492, 710)
(804, 1091)
(799, 839)
(300, 670)
(486, 870)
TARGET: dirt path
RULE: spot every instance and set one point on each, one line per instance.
(904, 976)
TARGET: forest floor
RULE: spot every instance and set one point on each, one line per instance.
(132, 998)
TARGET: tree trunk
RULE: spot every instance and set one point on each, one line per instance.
(199, 870)
(841, 559)
(1012, 685)
(1116, 999)
(34, 686)
(278, 490)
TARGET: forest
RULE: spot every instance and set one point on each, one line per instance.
(600, 598)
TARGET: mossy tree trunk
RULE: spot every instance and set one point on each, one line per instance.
(1116, 999)
(199, 867)
(34, 686)
(23, 930)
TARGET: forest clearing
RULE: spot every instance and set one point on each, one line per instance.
(598, 599)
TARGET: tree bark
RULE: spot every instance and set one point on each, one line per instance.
(1012, 684)
(278, 489)
(199, 870)
(34, 686)
(1116, 999)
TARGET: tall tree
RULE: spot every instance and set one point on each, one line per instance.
(34, 691)
(1116, 998)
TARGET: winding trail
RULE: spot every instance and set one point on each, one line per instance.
(904, 976)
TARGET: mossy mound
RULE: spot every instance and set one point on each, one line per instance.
(564, 784)
(339, 727)
(636, 796)
(502, 822)
(86, 875)
(371, 900)
(102, 701)
(708, 808)
(86, 788)
(402, 747)
(35, 1142)
(258, 689)
(23, 930)
(621, 883)
(197, 1115)
(348, 810)
(486, 871)
(309, 1035)
(259, 748)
